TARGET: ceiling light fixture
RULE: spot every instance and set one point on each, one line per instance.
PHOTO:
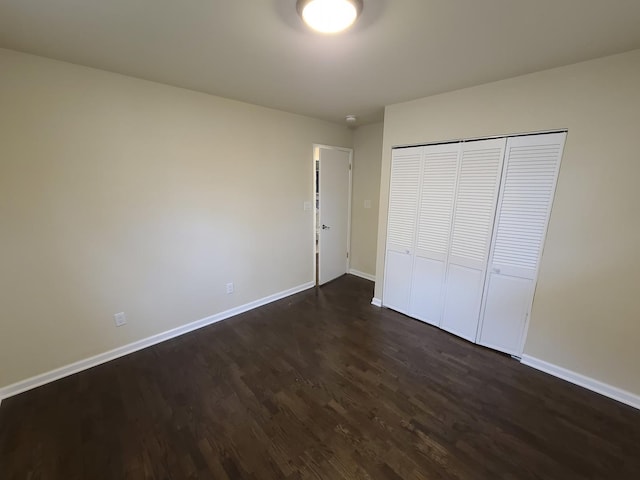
(329, 16)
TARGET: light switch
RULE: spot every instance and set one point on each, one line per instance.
(120, 319)
(367, 204)
(307, 206)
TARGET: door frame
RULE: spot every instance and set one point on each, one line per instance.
(315, 157)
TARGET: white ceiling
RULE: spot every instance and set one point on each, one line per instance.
(259, 52)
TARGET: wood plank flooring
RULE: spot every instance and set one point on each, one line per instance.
(321, 385)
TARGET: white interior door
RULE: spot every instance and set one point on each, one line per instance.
(473, 219)
(334, 212)
(524, 207)
(404, 189)
(437, 195)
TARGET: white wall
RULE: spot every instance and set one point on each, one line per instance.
(118, 194)
(367, 159)
(586, 312)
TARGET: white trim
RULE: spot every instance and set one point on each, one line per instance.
(101, 358)
(491, 137)
(589, 383)
(376, 301)
(316, 196)
(366, 276)
(349, 208)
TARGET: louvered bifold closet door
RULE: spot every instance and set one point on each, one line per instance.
(473, 219)
(437, 194)
(524, 207)
(406, 165)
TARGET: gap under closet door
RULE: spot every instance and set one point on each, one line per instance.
(524, 207)
(433, 235)
(473, 218)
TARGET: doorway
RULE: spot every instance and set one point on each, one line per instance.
(332, 222)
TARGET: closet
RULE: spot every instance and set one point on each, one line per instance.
(466, 228)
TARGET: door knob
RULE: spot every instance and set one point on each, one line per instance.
(325, 227)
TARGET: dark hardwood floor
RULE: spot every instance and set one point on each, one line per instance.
(320, 385)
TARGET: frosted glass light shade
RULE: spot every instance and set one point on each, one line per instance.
(329, 16)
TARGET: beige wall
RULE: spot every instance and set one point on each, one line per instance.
(367, 158)
(586, 312)
(118, 194)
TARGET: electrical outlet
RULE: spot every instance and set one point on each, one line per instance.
(307, 206)
(367, 204)
(120, 319)
(230, 287)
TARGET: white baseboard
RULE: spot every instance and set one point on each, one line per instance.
(76, 367)
(607, 390)
(360, 274)
(376, 301)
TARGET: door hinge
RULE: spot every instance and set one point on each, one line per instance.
(347, 254)
(349, 166)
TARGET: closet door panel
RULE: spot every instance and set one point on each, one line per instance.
(473, 220)
(531, 170)
(426, 294)
(437, 194)
(505, 311)
(397, 281)
(464, 293)
(404, 189)
(403, 199)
